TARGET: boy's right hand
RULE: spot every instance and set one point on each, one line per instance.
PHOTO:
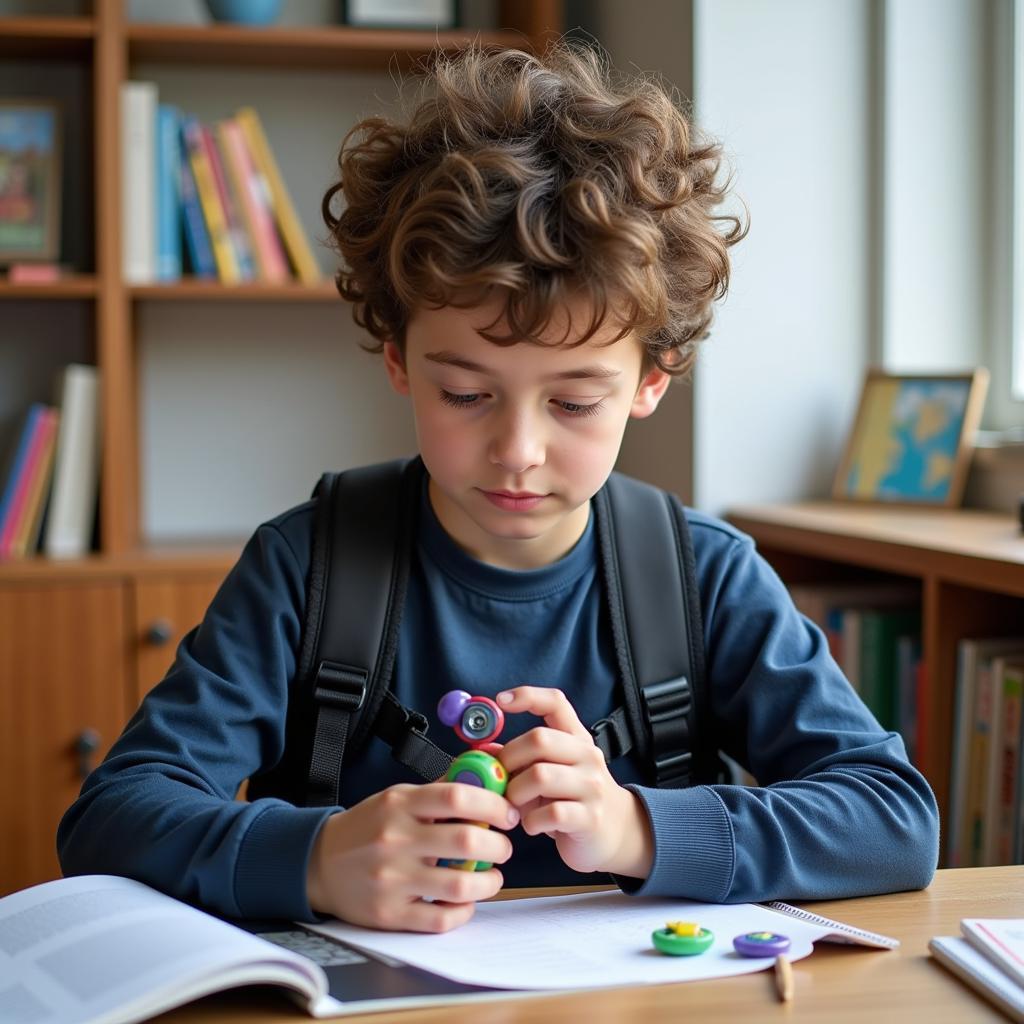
(375, 864)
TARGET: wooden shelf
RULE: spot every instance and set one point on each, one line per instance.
(967, 547)
(46, 37)
(969, 564)
(75, 286)
(177, 560)
(331, 46)
(254, 292)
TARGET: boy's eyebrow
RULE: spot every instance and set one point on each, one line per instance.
(581, 373)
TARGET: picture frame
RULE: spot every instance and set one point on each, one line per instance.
(401, 14)
(912, 439)
(30, 180)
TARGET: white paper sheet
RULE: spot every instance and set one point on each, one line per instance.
(590, 940)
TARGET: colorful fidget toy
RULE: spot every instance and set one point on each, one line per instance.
(478, 721)
(682, 938)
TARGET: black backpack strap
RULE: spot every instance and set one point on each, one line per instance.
(362, 542)
(654, 610)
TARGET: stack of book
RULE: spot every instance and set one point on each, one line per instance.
(874, 634)
(989, 957)
(985, 824)
(48, 496)
(208, 199)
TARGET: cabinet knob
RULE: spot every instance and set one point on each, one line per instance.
(159, 632)
(87, 742)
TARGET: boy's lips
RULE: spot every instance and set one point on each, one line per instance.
(514, 501)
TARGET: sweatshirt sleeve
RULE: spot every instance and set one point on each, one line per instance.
(161, 807)
(838, 810)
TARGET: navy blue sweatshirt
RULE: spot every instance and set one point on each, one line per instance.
(838, 810)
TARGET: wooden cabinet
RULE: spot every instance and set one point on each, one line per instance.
(164, 608)
(63, 700)
(969, 565)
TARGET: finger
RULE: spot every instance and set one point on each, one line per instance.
(548, 782)
(560, 816)
(445, 801)
(453, 885)
(434, 917)
(463, 841)
(546, 702)
(547, 745)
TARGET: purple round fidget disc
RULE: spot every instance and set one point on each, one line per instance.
(469, 778)
(760, 944)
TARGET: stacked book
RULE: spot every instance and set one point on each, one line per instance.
(48, 495)
(207, 199)
(874, 634)
(985, 824)
(988, 956)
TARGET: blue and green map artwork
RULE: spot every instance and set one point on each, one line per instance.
(906, 441)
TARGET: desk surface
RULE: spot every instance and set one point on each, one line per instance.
(840, 984)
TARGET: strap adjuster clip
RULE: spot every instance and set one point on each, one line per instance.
(340, 686)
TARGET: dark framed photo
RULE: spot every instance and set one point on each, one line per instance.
(30, 166)
(412, 14)
(912, 438)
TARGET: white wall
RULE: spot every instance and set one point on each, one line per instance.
(788, 87)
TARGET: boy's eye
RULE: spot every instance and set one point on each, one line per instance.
(458, 401)
(579, 408)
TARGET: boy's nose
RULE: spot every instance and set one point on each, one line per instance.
(518, 444)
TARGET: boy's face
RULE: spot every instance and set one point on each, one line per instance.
(517, 439)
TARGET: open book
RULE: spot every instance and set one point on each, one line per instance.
(100, 949)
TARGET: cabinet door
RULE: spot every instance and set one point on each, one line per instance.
(63, 701)
(165, 609)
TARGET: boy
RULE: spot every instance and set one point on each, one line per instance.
(536, 253)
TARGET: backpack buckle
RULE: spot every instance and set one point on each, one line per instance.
(667, 706)
(340, 686)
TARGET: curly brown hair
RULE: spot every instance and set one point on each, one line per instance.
(538, 179)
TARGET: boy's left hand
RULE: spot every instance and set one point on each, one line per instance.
(561, 785)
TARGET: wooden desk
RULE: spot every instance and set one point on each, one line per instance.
(838, 984)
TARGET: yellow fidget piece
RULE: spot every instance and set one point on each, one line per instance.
(682, 928)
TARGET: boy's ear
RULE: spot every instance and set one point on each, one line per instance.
(394, 363)
(648, 395)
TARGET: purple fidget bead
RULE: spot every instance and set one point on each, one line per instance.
(760, 944)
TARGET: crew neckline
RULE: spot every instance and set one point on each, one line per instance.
(495, 581)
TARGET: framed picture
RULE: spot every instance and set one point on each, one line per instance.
(423, 14)
(912, 438)
(30, 138)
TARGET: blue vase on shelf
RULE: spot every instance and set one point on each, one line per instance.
(245, 12)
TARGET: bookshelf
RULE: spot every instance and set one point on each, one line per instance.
(968, 563)
(82, 639)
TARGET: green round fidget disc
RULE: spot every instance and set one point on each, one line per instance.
(669, 942)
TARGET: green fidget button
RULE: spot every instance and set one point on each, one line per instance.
(669, 940)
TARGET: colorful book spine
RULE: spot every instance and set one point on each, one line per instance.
(27, 534)
(1009, 789)
(197, 238)
(880, 633)
(29, 466)
(295, 240)
(16, 465)
(168, 193)
(236, 231)
(213, 212)
(254, 201)
(978, 780)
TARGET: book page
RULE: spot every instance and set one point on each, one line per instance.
(589, 940)
(104, 949)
